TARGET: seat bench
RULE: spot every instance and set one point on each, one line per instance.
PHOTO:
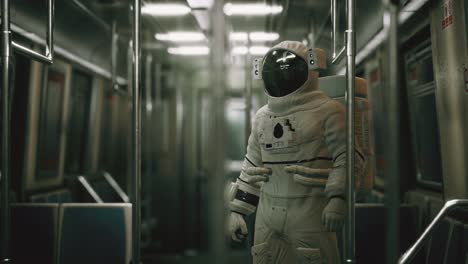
(71, 233)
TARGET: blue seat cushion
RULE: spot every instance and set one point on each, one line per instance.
(92, 235)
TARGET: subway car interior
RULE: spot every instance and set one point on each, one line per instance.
(218, 131)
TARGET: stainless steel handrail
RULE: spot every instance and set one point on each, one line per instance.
(5, 176)
(49, 47)
(336, 55)
(89, 189)
(91, 14)
(392, 133)
(448, 206)
(350, 133)
(136, 135)
(122, 195)
(7, 45)
(69, 55)
(114, 59)
(248, 94)
(218, 249)
(334, 22)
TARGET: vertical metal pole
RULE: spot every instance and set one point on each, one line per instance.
(147, 127)
(50, 30)
(217, 243)
(248, 93)
(350, 81)
(49, 52)
(334, 16)
(114, 54)
(393, 139)
(136, 135)
(5, 173)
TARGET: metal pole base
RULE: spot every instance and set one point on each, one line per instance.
(6, 261)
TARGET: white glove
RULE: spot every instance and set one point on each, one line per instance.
(308, 176)
(257, 175)
(237, 227)
(333, 215)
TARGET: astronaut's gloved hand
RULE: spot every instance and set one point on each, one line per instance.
(257, 175)
(237, 227)
(308, 176)
(333, 215)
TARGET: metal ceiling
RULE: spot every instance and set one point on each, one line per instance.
(87, 32)
(297, 20)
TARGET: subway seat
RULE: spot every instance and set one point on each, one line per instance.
(457, 248)
(57, 196)
(95, 233)
(371, 231)
(71, 233)
(34, 232)
(449, 241)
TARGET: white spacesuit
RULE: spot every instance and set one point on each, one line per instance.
(294, 169)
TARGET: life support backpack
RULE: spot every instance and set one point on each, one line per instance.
(335, 87)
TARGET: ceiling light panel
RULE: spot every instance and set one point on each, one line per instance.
(254, 50)
(263, 36)
(254, 36)
(239, 50)
(180, 36)
(258, 50)
(189, 50)
(200, 3)
(251, 9)
(165, 9)
(238, 36)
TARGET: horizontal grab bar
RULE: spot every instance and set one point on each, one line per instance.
(338, 55)
(448, 206)
(49, 56)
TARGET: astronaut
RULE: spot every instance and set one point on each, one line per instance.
(294, 169)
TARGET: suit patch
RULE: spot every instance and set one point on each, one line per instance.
(279, 134)
(278, 131)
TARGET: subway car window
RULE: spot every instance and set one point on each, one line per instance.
(235, 123)
(50, 151)
(421, 95)
(77, 134)
(375, 76)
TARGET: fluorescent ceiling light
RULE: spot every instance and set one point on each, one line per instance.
(200, 3)
(189, 50)
(254, 50)
(251, 9)
(238, 36)
(254, 36)
(180, 36)
(165, 9)
(239, 50)
(263, 36)
(258, 50)
(235, 104)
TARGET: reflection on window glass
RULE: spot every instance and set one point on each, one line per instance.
(424, 126)
(427, 139)
(235, 124)
(378, 101)
(78, 124)
(48, 153)
(420, 72)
